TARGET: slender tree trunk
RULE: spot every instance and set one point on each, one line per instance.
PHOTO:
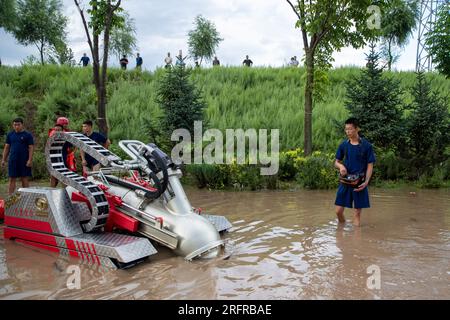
(102, 123)
(99, 74)
(41, 51)
(98, 84)
(389, 55)
(96, 75)
(309, 87)
(101, 116)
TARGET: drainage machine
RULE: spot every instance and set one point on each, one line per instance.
(109, 217)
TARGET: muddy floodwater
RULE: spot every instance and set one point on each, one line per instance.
(286, 245)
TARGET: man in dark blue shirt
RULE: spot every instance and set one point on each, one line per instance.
(123, 62)
(247, 62)
(88, 162)
(19, 147)
(139, 61)
(85, 60)
(354, 157)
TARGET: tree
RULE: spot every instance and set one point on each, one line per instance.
(104, 17)
(428, 127)
(327, 26)
(203, 40)
(438, 40)
(7, 14)
(376, 102)
(180, 100)
(123, 40)
(61, 54)
(40, 22)
(397, 23)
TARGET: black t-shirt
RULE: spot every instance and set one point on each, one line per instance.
(123, 62)
(248, 62)
(101, 140)
(85, 61)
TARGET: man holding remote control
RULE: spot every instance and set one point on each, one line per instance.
(354, 159)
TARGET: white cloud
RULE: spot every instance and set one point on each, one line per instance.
(263, 29)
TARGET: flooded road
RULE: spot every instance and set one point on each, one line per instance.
(286, 245)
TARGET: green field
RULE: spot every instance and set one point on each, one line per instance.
(269, 98)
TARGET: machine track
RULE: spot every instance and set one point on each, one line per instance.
(57, 168)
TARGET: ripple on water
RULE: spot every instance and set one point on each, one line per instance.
(286, 245)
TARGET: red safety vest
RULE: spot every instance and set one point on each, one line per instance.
(71, 160)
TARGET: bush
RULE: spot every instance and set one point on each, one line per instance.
(287, 170)
(180, 99)
(39, 166)
(209, 176)
(317, 171)
(435, 180)
(389, 166)
(225, 176)
(245, 176)
(428, 129)
(376, 100)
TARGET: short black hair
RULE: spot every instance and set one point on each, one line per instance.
(352, 121)
(88, 122)
(18, 120)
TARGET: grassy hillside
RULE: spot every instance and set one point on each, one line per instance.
(236, 97)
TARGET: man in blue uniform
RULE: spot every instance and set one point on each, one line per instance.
(354, 157)
(139, 61)
(88, 162)
(19, 148)
(85, 60)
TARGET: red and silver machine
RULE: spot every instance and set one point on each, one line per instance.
(114, 216)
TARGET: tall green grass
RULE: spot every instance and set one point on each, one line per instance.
(269, 98)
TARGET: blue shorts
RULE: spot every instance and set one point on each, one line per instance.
(346, 197)
(18, 169)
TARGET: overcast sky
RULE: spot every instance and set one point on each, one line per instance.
(263, 29)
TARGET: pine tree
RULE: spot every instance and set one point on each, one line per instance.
(180, 100)
(376, 101)
(428, 127)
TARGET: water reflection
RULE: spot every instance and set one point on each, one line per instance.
(286, 245)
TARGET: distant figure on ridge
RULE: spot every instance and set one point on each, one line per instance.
(124, 62)
(168, 61)
(139, 61)
(85, 60)
(247, 61)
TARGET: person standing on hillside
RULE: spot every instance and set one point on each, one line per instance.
(18, 150)
(247, 62)
(139, 61)
(124, 62)
(294, 62)
(354, 160)
(180, 60)
(168, 61)
(85, 60)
